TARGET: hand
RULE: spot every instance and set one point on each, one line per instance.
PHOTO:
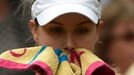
(38, 71)
(38, 74)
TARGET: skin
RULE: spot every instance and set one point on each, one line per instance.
(121, 51)
(4, 9)
(68, 31)
(127, 1)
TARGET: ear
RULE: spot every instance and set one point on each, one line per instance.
(34, 30)
(100, 28)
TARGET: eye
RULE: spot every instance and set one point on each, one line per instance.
(82, 30)
(56, 30)
(129, 36)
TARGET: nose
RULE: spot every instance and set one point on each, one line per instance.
(69, 44)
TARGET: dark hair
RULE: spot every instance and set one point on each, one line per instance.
(36, 22)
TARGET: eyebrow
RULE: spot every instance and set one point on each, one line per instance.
(56, 23)
(84, 22)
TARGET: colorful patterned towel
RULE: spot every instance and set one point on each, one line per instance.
(55, 61)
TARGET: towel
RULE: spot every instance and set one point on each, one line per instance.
(52, 61)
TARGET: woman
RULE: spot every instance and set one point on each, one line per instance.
(116, 40)
(65, 29)
(66, 25)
